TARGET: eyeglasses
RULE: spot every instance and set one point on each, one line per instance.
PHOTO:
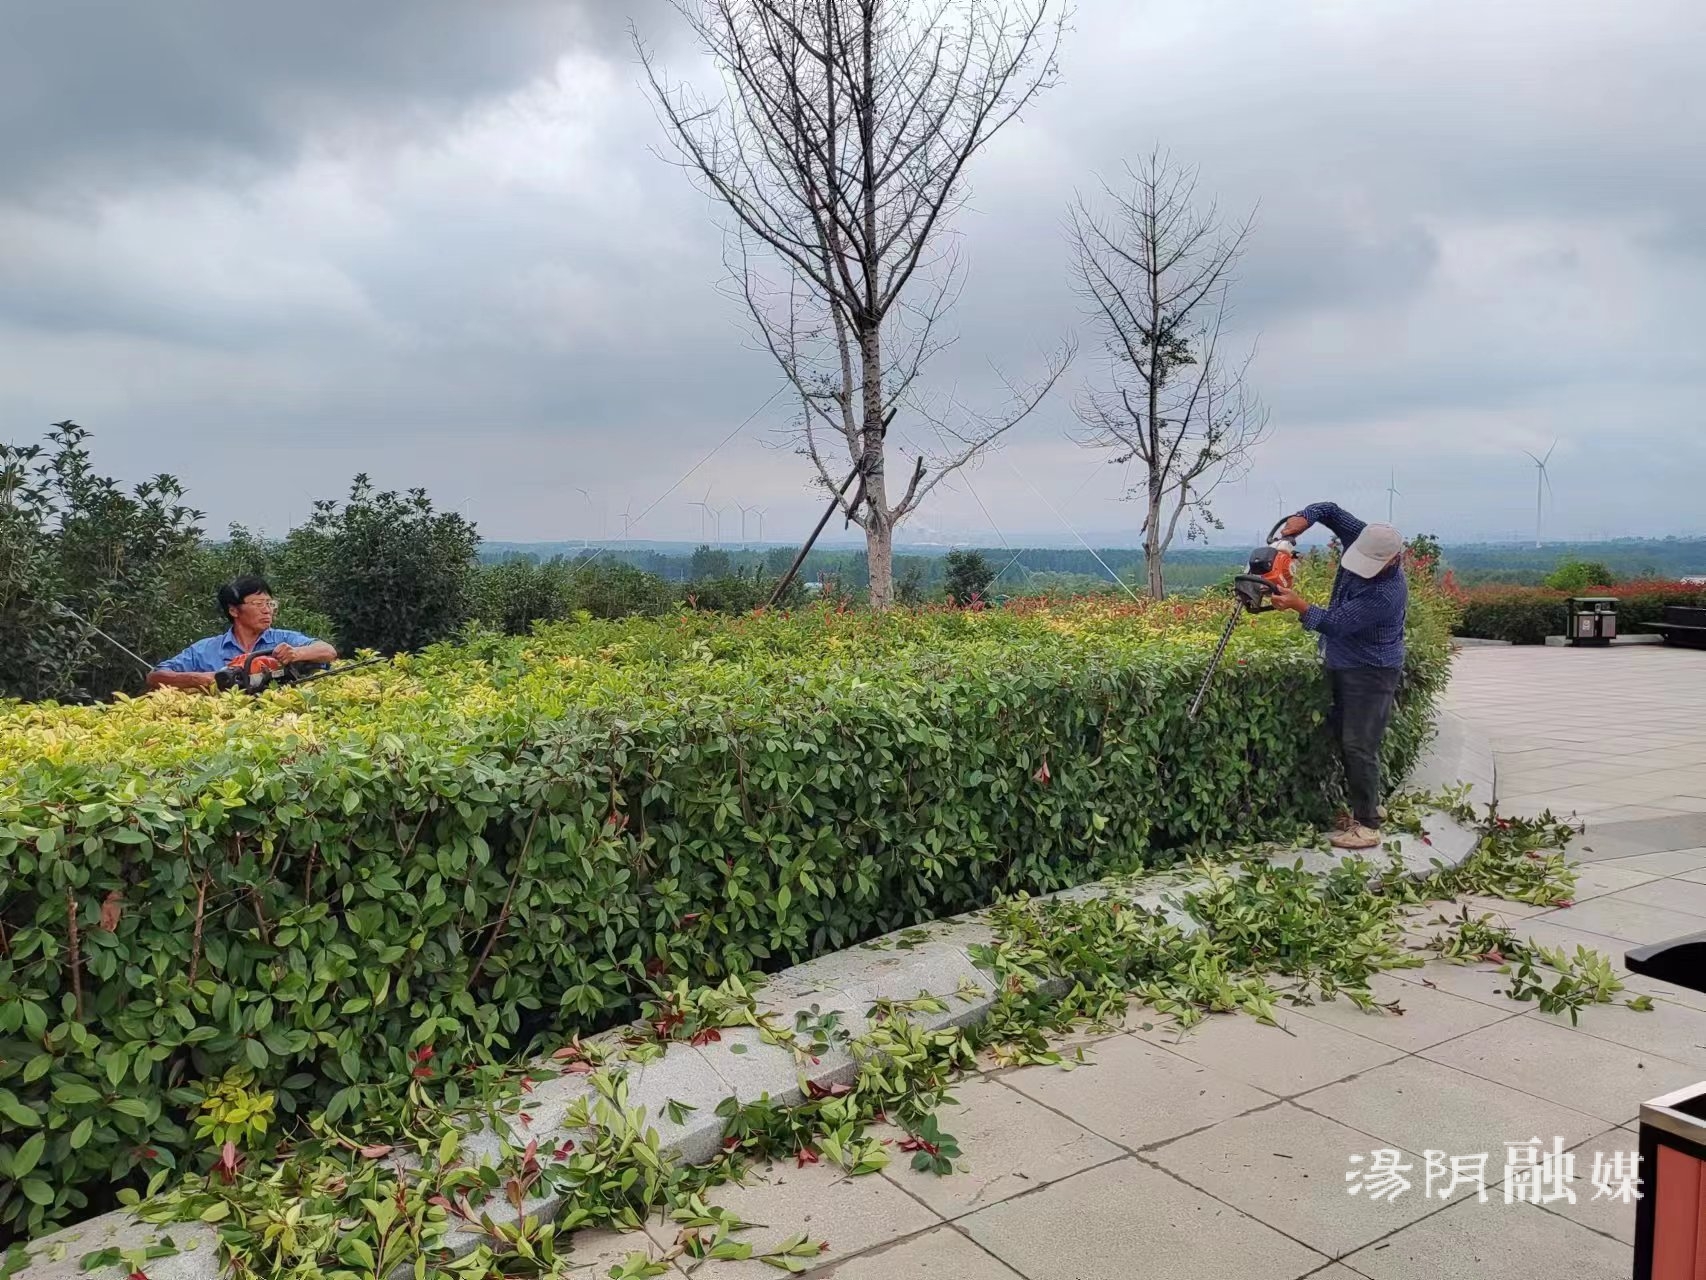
(260, 602)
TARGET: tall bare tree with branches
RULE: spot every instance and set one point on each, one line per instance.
(839, 146)
(1156, 267)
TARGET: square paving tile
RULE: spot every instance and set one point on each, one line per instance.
(1556, 930)
(1137, 1094)
(1299, 1054)
(1596, 879)
(594, 1253)
(1425, 1106)
(1130, 1219)
(1673, 895)
(851, 1214)
(1010, 1144)
(1617, 916)
(1479, 904)
(1687, 863)
(1564, 1066)
(1480, 982)
(942, 1254)
(1601, 1208)
(1288, 1168)
(1427, 1015)
(1674, 1031)
(1470, 1241)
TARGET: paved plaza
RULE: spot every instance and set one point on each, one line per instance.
(1224, 1152)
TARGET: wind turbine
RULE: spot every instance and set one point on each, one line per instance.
(627, 520)
(1542, 486)
(759, 512)
(705, 508)
(743, 512)
(583, 493)
(1391, 493)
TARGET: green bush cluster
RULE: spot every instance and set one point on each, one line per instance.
(487, 840)
(1527, 615)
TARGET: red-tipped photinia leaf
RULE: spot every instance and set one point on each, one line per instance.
(1042, 775)
(706, 1036)
(376, 1152)
(229, 1162)
(806, 1156)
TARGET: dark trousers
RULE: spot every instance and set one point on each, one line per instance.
(1362, 706)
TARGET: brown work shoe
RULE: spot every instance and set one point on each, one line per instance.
(1355, 836)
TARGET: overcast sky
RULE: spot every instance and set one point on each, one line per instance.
(265, 247)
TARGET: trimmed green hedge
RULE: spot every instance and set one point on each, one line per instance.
(1527, 615)
(470, 847)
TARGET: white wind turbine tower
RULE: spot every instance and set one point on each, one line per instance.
(705, 509)
(759, 512)
(1542, 486)
(743, 509)
(1391, 493)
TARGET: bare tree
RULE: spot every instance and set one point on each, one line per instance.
(1156, 269)
(839, 146)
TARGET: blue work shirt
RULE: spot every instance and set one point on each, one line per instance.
(1363, 623)
(217, 652)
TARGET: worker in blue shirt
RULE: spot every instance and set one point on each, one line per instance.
(1362, 644)
(248, 602)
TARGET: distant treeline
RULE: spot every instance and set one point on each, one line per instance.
(1626, 557)
(1017, 569)
(1066, 568)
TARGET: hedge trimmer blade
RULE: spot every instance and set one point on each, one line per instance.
(1214, 662)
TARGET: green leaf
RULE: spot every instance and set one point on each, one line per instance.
(256, 1053)
(80, 1134)
(75, 1093)
(26, 1156)
(36, 1191)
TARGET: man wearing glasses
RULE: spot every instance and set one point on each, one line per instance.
(249, 604)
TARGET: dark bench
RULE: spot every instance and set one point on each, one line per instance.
(1684, 624)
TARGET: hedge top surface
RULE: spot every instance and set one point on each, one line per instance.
(478, 695)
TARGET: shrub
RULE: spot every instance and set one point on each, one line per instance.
(1579, 575)
(391, 573)
(71, 538)
(513, 594)
(969, 576)
(1527, 615)
(301, 893)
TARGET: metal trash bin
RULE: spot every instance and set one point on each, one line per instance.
(1590, 621)
(1670, 1216)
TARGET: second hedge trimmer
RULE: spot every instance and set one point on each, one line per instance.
(1269, 572)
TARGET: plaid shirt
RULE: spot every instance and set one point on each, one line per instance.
(1363, 623)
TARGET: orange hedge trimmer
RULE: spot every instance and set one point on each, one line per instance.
(257, 671)
(1269, 571)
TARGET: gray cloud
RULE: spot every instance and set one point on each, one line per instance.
(431, 241)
